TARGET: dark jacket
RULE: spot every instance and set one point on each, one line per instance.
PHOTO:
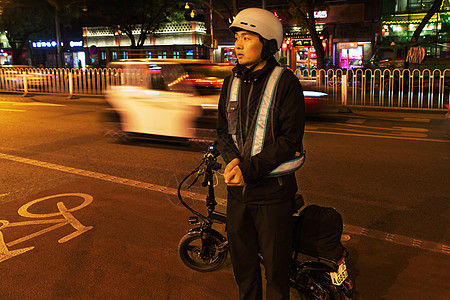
(288, 128)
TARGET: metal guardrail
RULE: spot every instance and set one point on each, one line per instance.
(404, 89)
(415, 89)
(57, 81)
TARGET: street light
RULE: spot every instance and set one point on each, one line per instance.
(192, 12)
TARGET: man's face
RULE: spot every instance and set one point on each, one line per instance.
(248, 48)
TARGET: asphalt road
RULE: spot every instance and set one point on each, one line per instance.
(387, 173)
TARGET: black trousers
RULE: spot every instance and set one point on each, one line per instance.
(265, 227)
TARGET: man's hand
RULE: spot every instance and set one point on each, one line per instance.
(233, 174)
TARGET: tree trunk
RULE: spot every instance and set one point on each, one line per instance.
(320, 52)
(58, 40)
(317, 42)
(430, 13)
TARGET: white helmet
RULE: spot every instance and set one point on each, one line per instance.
(260, 21)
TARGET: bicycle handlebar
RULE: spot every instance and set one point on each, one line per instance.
(211, 165)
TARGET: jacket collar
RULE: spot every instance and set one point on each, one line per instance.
(247, 74)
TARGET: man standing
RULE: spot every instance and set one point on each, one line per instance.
(260, 130)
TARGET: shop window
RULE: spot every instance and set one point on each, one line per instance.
(190, 54)
(103, 55)
(155, 79)
(413, 5)
(125, 54)
(229, 55)
(149, 54)
(162, 55)
(352, 58)
(114, 55)
(176, 54)
(306, 59)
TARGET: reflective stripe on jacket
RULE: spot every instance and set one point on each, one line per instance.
(260, 123)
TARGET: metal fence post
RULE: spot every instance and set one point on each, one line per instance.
(71, 95)
(25, 83)
(344, 88)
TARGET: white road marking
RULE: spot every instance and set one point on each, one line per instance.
(394, 128)
(349, 229)
(395, 137)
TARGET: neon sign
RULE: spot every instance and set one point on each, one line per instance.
(45, 44)
(320, 14)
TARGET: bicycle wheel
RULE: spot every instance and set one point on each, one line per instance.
(190, 251)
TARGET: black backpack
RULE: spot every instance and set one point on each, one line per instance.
(318, 232)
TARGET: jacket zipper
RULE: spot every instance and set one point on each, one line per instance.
(248, 107)
(246, 123)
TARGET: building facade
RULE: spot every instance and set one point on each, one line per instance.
(400, 19)
(347, 30)
(172, 40)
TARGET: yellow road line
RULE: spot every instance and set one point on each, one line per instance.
(31, 103)
(416, 120)
(11, 109)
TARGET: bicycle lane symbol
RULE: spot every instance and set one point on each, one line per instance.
(68, 219)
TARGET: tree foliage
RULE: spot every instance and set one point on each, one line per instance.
(303, 11)
(21, 19)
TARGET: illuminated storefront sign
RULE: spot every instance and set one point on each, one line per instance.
(304, 43)
(348, 45)
(320, 14)
(52, 44)
(45, 44)
(76, 43)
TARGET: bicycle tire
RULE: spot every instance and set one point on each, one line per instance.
(189, 249)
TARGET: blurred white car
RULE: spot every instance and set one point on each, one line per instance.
(163, 99)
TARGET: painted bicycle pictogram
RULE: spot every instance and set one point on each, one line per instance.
(66, 218)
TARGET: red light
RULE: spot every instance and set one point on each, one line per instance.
(284, 47)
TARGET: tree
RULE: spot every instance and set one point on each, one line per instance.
(434, 8)
(129, 16)
(303, 11)
(21, 19)
(73, 7)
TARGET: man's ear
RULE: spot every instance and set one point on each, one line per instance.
(269, 49)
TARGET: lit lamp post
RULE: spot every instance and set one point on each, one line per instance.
(211, 50)
(193, 12)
